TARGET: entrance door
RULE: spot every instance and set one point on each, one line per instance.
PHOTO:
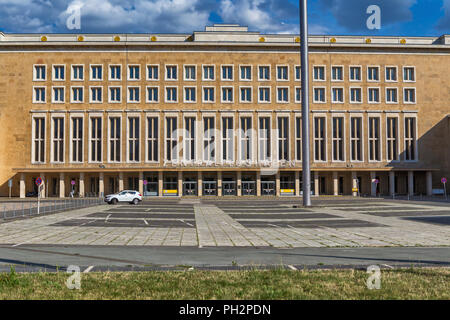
(151, 189)
(229, 188)
(190, 188)
(210, 188)
(341, 186)
(268, 188)
(133, 183)
(113, 185)
(248, 188)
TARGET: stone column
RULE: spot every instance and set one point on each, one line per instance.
(373, 185)
(277, 184)
(297, 183)
(316, 183)
(180, 183)
(62, 185)
(258, 183)
(101, 185)
(355, 184)
(22, 186)
(238, 184)
(200, 184)
(219, 183)
(81, 184)
(141, 183)
(392, 183)
(335, 184)
(42, 176)
(429, 183)
(160, 183)
(121, 181)
(411, 183)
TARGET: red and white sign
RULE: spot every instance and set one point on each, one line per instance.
(38, 181)
(444, 180)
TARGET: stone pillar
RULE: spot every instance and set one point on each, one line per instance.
(219, 183)
(81, 184)
(335, 184)
(238, 184)
(200, 184)
(429, 183)
(411, 183)
(316, 183)
(42, 176)
(392, 183)
(141, 183)
(297, 183)
(258, 183)
(355, 184)
(160, 183)
(101, 185)
(180, 183)
(121, 181)
(62, 185)
(22, 185)
(373, 185)
(277, 184)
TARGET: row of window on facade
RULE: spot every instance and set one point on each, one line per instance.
(152, 95)
(226, 73)
(272, 144)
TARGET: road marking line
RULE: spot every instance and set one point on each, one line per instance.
(145, 221)
(106, 220)
(292, 267)
(88, 269)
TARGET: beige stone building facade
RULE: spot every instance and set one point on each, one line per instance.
(218, 112)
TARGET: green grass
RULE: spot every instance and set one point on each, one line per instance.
(273, 284)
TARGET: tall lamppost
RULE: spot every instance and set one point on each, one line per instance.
(306, 170)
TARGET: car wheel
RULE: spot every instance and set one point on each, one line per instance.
(135, 201)
(114, 201)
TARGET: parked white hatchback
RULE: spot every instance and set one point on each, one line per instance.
(130, 196)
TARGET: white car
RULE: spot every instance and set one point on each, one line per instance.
(130, 196)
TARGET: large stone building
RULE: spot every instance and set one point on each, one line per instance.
(218, 112)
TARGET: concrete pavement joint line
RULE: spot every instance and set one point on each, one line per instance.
(88, 269)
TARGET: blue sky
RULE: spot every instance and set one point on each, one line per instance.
(398, 17)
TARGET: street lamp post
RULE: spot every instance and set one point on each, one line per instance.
(306, 171)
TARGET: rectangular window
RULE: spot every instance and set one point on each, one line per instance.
(153, 73)
(282, 73)
(356, 138)
(58, 140)
(319, 73)
(115, 73)
(264, 95)
(391, 95)
(152, 139)
(171, 139)
(40, 73)
(134, 94)
(77, 139)
(58, 95)
(208, 73)
(391, 74)
(189, 94)
(96, 73)
(39, 95)
(319, 95)
(77, 73)
(208, 94)
(355, 95)
(374, 95)
(409, 95)
(152, 94)
(319, 139)
(190, 73)
(283, 138)
(409, 74)
(246, 73)
(59, 73)
(298, 139)
(134, 73)
(337, 73)
(283, 95)
(134, 139)
(115, 94)
(264, 139)
(246, 95)
(96, 95)
(96, 139)
(338, 139)
(298, 95)
(355, 73)
(337, 95)
(373, 74)
(410, 139)
(227, 94)
(114, 139)
(246, 138)
(227, 139)
(298, 73)
(171, 94)
(392, 139)
(189, 138)
(171, 73)
(264, 73)
(39, 140)
(77, 94)
(374, 139)
(209, 138)
(227, 73)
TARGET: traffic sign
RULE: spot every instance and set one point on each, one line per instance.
(376, 181)
(72, 182)
(38, 181)
(444, 180)
(10, 183)
(145, 182)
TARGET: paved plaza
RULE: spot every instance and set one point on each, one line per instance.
(240, 223)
